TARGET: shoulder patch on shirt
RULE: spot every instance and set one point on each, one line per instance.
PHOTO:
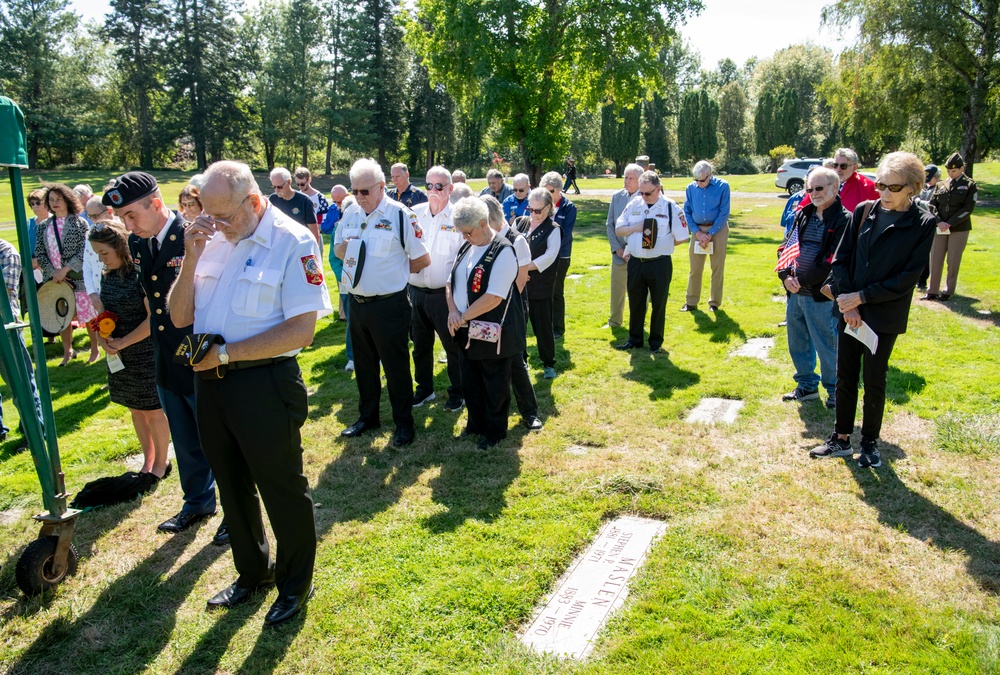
(314, 275)
(417, 232)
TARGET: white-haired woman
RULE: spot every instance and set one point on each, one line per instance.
(875, 271)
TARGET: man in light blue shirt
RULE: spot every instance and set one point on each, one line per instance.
(706, 208)
(516, 205)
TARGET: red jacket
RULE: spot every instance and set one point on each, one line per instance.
(855, 190)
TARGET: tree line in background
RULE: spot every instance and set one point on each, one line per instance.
(183, 83)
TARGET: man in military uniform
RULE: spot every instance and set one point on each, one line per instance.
(954, 200)
(652, 225)
(253, 277)
(390, 247)
(404, 192)
(157, 246)
(427, 292)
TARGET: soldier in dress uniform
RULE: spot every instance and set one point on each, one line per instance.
(405, 192)
(389, 248)
(157, 246)
(953, 200)
(652, 224)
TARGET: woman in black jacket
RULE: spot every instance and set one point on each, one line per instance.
(875, 271)
(811, 325)
(544, 239)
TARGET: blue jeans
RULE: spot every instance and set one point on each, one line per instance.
(812, 332)
(197, 480)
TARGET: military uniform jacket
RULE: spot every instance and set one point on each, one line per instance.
(157, 276)
(954, 201)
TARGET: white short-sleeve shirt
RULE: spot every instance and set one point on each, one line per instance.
(521, 248)
(670, 229)
(244, 289)
(442, 240)
(502, 275)
(387, 263)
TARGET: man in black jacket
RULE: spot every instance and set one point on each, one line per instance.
(812, 326)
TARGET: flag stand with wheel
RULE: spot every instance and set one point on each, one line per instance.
(49, 559)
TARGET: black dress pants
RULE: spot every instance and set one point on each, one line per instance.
(380, 333)
(486, 383)
(249, 424)
(524, 391)
(854, 360)
(559, 297)
(540, 314)
(430, 316)
(650, 275)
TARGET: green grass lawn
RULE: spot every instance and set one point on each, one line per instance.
(432, 558)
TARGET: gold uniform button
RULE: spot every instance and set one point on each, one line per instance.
(173, 237)
(153, 277)
(160, 327)
(159, 311)
(156, 294)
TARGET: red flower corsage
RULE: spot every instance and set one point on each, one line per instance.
(104, 324)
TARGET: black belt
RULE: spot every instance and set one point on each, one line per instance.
(362, 299)
(646, 260)
(429, 291)
(243, 365)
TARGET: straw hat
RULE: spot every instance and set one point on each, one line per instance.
(56, 306)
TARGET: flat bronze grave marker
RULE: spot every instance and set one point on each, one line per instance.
(755, 348)
(593, 588)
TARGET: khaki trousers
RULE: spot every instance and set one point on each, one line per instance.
(950, 246)
(619, 284)
(718, 263)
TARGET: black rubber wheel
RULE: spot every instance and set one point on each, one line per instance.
(794, 186)
(34, 567)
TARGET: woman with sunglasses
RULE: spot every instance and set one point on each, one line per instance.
(544, 239)
(811, 325)
(877, 265)
(59, 251)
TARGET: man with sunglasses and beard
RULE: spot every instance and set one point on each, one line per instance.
(427, 292)
(391, 248)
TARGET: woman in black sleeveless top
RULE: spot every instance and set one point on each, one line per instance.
(544, 239)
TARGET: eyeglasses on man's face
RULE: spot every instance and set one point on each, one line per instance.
(437, 187)
(301, 184)
(363, 192)
(843, 166)
(280, 185)
(818, 188)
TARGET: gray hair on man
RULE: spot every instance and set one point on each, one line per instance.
(848, 154)
(282, 174)
(458, 176)
(825, 176)
(439, 170)
(84, 192)
(494, 173)
(649, 178)
(238, 176)
(551, 179)
(828, 163)
(632, 170)
(540, 194)
(400, 165)
(461, 191)
(702, 170)
(521, 178)
(469, 212)
(496, 218)
(367, 168)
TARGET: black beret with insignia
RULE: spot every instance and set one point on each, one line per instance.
(955, 161)
(931, 170)
(128, 188)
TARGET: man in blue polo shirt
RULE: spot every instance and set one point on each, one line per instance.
(706, 208)
(516, 205)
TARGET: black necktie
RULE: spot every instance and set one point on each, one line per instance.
(154, 246)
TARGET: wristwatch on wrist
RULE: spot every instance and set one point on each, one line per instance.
(223, 355)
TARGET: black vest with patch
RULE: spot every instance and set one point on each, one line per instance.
(541, 285)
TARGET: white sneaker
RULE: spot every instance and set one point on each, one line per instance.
(349, 367)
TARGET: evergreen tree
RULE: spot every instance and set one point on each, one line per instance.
(655, 114)
(763, 124)
(430, 124)
(620, 134)
(732, 119)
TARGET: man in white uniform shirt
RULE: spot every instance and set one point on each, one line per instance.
(651, 224)
(391, 248)
(254, 277)
(427, 293)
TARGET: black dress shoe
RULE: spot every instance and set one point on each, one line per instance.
(231, 596)
(625, 346)
(930, 296)
(714, 308)
(487, 443)
(403, 436)
(944, 297)
(182, 521)
(221, 537)
(358, 428)
(688, 308)
(532, 423)
(658, 350)
(285, 607)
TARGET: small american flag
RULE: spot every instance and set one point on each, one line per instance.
(790, 253)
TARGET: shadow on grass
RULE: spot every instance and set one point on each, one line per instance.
(720, 329)
(129, 624)
(658, 372)
(905, 510)
(966, 306)
(901, 385)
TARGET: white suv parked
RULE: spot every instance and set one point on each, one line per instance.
(792, 174)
